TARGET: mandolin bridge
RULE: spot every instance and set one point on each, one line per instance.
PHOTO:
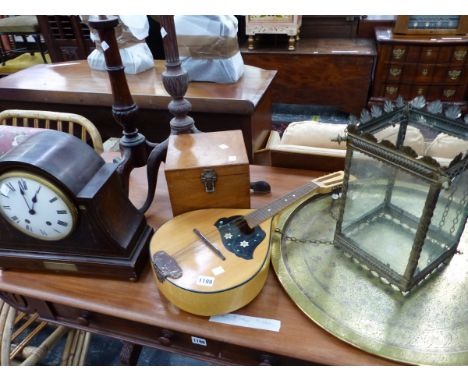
(238, 238)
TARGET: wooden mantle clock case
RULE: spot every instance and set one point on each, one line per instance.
(63, 209)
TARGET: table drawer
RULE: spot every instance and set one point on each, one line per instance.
(460, 55)
(447, 93)
(414, 54)
(188, 344)
(392, 91)
(395, 72)
(424, 73)
(450, 74)
(439, 74)
(429, 54)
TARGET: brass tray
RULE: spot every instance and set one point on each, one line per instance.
(428, 326)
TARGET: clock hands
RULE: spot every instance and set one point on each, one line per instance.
(22, 188)
(34, 201)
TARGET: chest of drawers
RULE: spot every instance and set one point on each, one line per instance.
(435, 67)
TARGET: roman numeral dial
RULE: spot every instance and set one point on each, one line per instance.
(35, 206)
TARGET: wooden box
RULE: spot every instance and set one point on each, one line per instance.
(191, 157)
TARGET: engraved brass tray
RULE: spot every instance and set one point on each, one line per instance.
(428, 326)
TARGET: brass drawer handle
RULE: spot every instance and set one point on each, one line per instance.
(449, 93)
(460, 55)
(425, 71)
(395, 72)
(420, 91)
(428, 52)
(398, 53)
(391, 90)
(454, 74)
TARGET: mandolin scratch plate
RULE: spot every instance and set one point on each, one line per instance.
(429, 326)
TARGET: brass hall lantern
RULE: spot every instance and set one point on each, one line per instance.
(405, 190)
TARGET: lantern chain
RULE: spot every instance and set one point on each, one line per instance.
(336, 201)
(456, 220)
(303, 241)
(456, 180)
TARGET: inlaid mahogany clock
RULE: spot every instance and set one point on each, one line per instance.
(62, 208)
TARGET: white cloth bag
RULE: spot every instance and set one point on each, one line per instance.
(222, 70)
(130, 34)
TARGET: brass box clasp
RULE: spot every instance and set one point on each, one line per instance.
(208, 178)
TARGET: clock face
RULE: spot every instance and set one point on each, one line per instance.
(35, 206)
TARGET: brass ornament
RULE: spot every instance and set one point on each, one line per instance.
(398, 53)
(449, 93)
(395, 72)
(428, 326)
(454, 74)
(391, 90)
(460, 55)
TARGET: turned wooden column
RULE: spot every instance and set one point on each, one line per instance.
(136, 150)
(133, 145)
(175, 80)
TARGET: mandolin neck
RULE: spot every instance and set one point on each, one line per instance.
(258, 216)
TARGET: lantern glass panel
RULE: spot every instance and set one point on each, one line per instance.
(447, 224)
(382, 211)
(405, 190)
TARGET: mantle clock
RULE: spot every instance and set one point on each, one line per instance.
(62, 208)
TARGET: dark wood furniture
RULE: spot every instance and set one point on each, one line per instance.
(66, 37)
(331, 26)
(320, 71)
(73, 87)
(24, 26)
(136, 312)
(435, 67)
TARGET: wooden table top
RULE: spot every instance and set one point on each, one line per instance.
(141, 302)
(383, 35)
(75, 83)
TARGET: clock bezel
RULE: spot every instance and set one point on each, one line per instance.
(56, 189)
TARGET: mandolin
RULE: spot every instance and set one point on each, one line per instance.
(215, 261)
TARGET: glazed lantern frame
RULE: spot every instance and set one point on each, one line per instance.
(402, 212)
